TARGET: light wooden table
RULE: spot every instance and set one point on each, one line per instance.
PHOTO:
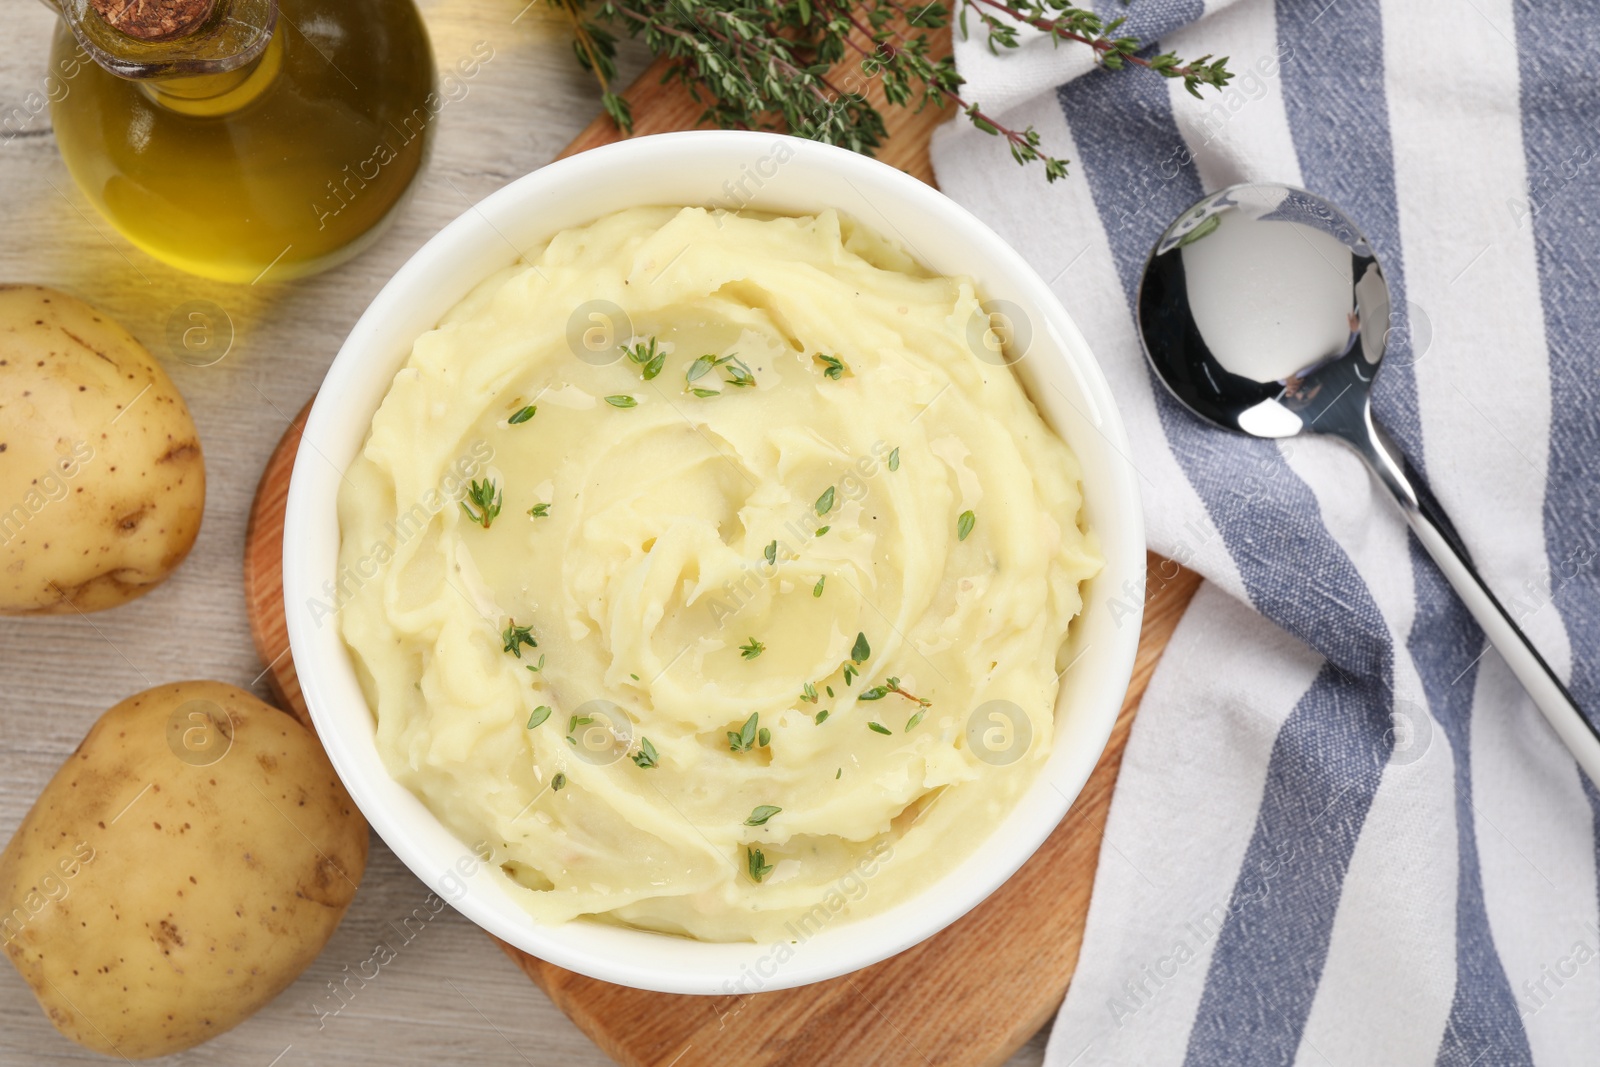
(450, 995)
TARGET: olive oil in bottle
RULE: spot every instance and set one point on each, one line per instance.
(282, 167)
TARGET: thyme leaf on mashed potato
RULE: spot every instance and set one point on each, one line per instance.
(486, 497)
(825, 502)
(522, 415)
(622, 400)
(756, 863)
(752, 650)
(861, 650)
(965, 524)
(646, 756)
(647, 357)
(699, 369)
(808, 693)
(540, 714)
(572, 727)
(771, 552)
(816, 590)
(892, 685)
(739, 373)
(894, 459)
(558, 782)
(879, 728)
(744, 739)
(539, 511)
(832, 366)
(761, 814)
(513, 637)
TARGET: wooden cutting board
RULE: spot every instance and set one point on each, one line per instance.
(969, 996)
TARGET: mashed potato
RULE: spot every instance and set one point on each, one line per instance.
(703, 567)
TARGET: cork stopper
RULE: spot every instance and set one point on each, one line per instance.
(154, 20)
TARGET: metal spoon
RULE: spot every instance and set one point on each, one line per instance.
(1264, 310)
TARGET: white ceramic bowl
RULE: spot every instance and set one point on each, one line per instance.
(731, 170)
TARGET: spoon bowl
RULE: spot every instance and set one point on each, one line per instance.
(1264, 310)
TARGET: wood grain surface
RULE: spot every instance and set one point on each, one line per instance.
(448, 995)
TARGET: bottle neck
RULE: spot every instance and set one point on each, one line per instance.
(148, 39)
(206, 95)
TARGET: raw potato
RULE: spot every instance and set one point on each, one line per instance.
(184, 865)
(102, 483)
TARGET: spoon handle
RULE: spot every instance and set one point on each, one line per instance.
(1434, 529)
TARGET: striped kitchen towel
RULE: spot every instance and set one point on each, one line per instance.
(1342, 834)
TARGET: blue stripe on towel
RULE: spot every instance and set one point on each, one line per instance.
(1346, 153)
(1329, 755)
(1149, 19)
(1560, 102)
(1485, 1023)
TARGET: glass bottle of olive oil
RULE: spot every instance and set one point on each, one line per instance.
(245, 140)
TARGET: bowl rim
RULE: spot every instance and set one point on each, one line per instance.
(603, 951)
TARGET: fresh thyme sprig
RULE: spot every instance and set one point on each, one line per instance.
(780, 64)
(750, 735)
(832, 366)
(1063, 22)
(572, 727)
(739, 374)
(487, 498)
(647, 756)
(753, 649)
(756, 863)
(891, 685)
(647, 357)
(514, 637)
(596, 49)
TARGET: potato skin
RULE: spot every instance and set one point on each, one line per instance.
(95, 508)
(153, 899)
